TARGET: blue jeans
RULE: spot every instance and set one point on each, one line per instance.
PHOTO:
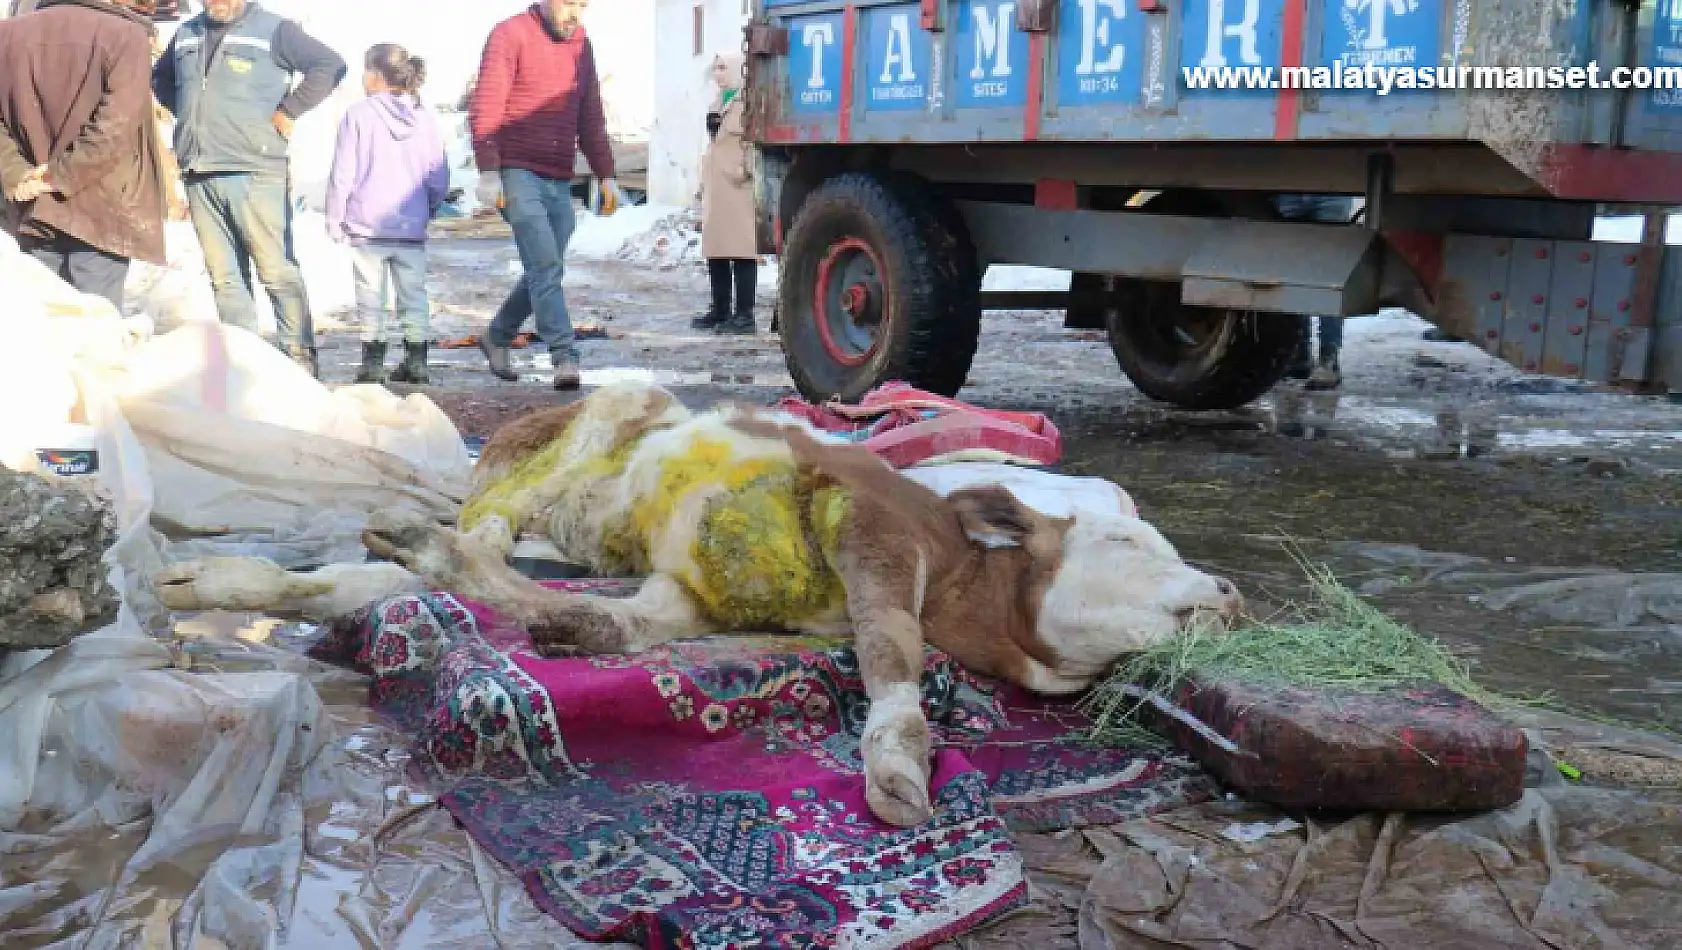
(401, 267)
(81, 265)
(244, 219)
(540, 211)
(1329, 209)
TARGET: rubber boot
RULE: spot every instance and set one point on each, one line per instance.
(718, 270)
(1327, 375)
(373, 363)
(413, 368)
(746, 273)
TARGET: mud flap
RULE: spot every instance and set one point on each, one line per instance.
(1323, 271)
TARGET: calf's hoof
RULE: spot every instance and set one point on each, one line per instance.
(896, 768)
(411, 540)
(899, 795)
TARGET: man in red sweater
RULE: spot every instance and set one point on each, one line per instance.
(537, 103)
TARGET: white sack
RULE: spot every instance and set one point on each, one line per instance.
(1050, 494)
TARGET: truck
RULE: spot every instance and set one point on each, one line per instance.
(904, 146)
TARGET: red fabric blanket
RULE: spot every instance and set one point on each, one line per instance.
(905, 426)
(708, 795)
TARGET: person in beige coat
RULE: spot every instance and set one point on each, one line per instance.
(728, 218)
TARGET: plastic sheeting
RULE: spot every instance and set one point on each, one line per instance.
(143, 803)
(346, 855)
(1563, 869)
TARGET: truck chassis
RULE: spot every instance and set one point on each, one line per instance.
(886, 214)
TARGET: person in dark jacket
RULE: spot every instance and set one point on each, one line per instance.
(80, 160)
(227, 78)
(538, 102)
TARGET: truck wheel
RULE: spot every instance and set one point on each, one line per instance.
(1198, 358)
(879, 283)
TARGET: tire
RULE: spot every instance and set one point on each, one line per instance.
(1232, 357)
(1089, 301)
(879, 283)
(1236, 357)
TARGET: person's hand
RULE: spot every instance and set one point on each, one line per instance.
(33, 186)
(283, 124)
(610, 196)
(489, 191)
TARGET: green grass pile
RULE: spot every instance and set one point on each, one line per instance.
(1334, 641)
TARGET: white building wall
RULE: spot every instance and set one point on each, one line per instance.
(683, 90)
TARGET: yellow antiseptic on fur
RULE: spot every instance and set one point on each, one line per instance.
(753, 563)
(765, 537)
(543, 481)
(512, 497)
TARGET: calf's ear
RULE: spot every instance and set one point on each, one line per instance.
(991, 514)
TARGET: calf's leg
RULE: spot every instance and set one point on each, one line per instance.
(884, 598)
(258, 584)
(560, 623)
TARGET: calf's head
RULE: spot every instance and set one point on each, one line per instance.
(1106, 585)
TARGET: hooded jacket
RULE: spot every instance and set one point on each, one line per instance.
(390, 173)
(74, 97)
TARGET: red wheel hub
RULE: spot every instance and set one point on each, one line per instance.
(850, 301)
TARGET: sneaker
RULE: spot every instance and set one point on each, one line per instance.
(497, 356)
(566, 374)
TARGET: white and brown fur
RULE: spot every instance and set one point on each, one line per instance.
(1045, 603)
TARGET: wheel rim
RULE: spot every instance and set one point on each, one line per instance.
(850, 302)
(1173, 334)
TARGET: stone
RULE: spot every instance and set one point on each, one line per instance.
(53, 536)
(1605, 466)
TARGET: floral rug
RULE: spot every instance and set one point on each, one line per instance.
(709, 794)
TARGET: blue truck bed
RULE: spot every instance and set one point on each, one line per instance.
(932, 72)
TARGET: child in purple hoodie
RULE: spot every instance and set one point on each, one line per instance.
(390, 176)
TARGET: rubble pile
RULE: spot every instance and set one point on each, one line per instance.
(674, 241)
(53, 535)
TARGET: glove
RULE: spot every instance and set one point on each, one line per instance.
(489, 191)
(610, 196)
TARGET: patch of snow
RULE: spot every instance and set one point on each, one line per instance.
(672, 241)
(1017, 277)
(1627, 229)
(1386, 325)
(601, 238)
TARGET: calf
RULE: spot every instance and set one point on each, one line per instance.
(750, 521)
